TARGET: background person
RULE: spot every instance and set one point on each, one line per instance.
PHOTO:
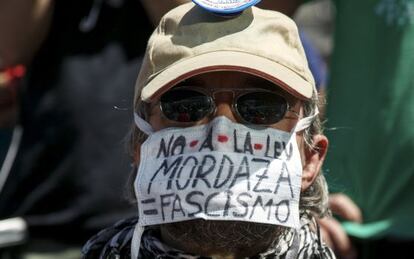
(371, 107)
(68, 176)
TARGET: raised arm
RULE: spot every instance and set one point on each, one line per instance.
(23, 26)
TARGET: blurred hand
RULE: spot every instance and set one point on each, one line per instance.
(333, 233)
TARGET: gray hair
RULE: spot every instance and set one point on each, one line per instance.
(313, 200)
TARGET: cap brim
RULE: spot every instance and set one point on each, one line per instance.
(228, 61)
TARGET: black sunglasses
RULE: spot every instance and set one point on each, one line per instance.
(252, 105)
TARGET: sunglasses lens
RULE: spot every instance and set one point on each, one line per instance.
(261, 108)
(183, 105)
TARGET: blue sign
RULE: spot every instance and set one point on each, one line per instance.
(226, 7)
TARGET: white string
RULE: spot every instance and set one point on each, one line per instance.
(136, 241)
(304, 123)
(143, 125)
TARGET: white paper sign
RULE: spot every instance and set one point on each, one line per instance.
(219, 171)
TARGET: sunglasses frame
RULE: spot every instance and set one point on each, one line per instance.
(236, 93)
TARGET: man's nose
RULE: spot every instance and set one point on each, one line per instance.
(224, 108)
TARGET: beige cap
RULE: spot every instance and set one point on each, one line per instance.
(191, 41)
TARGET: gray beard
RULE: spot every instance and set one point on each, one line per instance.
(224, 238)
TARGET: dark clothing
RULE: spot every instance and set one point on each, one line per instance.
(115, 242)
(71, 168)
(384, 248)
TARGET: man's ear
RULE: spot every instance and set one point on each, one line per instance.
(314, 158)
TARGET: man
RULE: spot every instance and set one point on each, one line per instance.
(227, 143)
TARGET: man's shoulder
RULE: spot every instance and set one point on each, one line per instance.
(112, 242)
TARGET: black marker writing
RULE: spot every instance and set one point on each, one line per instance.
(165, 170)
(284, 177)
(261, 176)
